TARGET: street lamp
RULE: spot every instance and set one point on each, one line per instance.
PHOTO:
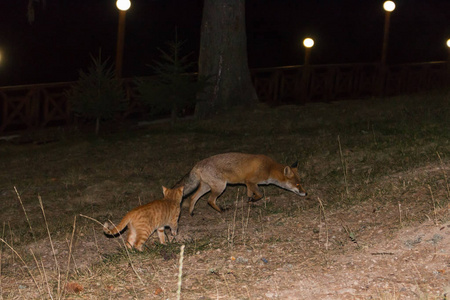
(308, 43)
(448, 59)
(389, 7)
(123, 6)
(305, 74)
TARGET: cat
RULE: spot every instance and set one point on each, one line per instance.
(143, 220)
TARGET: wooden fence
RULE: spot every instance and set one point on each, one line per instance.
(300, 84)
(42, 105)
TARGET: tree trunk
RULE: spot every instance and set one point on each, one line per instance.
(97, 126)
(223, 57)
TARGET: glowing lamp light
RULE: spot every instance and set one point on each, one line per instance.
(123, 4)
(308, 42)
(448, 45)
(389, 6)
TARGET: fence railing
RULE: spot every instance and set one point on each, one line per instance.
(300, 84)
(42, 105)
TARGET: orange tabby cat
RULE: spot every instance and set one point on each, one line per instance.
(145, 219)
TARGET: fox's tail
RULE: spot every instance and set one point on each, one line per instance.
(190, 181)
(112, 231)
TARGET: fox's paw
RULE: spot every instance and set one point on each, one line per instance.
(254, 199)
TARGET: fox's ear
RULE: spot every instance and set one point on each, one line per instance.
(164, 190)
(288, 172)
(294, 165)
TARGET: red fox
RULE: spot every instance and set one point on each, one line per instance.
(214, 173)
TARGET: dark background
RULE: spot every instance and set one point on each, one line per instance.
(65, 32)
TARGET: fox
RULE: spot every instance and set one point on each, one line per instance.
(214, 173)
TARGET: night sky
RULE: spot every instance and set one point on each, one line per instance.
(65, 32)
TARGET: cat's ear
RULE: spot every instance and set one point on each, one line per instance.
(181, 189)
(164, 190)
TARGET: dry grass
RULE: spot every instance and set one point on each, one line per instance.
(381, 178)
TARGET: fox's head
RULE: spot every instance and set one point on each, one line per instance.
(292, 180)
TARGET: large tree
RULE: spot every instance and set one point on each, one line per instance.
(223, 57)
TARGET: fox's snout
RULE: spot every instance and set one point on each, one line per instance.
(302, 193)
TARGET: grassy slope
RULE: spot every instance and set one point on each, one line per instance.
(349, 152)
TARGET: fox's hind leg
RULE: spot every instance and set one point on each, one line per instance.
(216, 191)
(253, 192)
(203, 188)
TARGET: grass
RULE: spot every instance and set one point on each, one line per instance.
(350, 153)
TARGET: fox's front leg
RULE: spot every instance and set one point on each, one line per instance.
(253, 192)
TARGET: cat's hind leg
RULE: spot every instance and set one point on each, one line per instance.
(131, 239)
(141, 238)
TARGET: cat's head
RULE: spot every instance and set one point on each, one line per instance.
(173, 194)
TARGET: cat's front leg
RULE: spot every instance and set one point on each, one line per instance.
(174, 230)
(161, 235)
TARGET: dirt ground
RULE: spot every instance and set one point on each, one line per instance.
(282, 247)
(383, 234)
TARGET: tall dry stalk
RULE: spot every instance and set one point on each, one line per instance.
(41, 272)
(374, 136)
(180, 272)
(124, 245)
(24, 264)
(245, 221)
(69, 256)
(445, 176)
(1, 259)
(58, 270)
(232, 226)
(25, 212)
(344, 165)
(11, 240)
(322, 209)
(49, 291)
(434, 205)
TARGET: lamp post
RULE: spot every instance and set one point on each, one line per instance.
(448, 58)
(123, 6)
(448, 46)
(308, 43)
(389, 7)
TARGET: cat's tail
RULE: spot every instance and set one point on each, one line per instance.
(112, 231)
(190, 181)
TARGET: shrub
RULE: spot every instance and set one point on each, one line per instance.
(98, 94)
(172, 89)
